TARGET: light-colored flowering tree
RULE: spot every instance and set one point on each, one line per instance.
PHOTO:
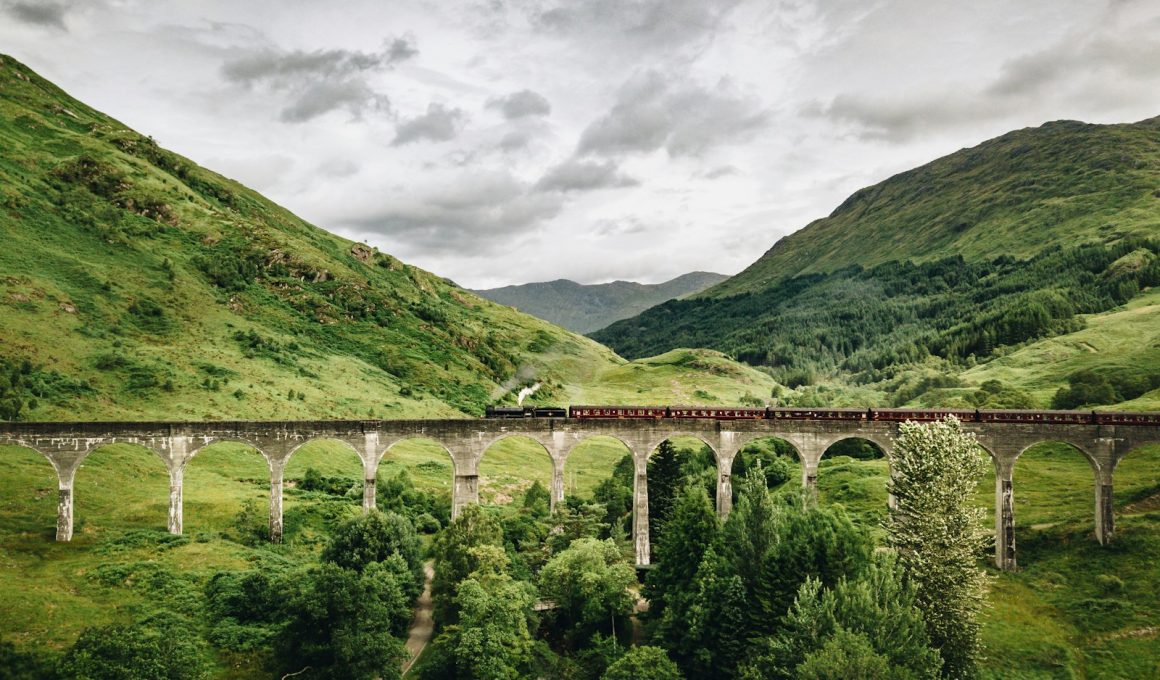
(939, 536)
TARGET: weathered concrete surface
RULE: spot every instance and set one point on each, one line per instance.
(66, 445)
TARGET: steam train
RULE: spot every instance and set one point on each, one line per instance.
(864, 414)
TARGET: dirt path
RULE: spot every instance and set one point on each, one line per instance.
(423, 624)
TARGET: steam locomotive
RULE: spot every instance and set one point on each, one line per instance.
(864, 414)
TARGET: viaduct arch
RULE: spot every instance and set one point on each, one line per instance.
(66, 445)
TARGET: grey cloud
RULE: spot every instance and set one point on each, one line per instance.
(47, 14)
(651, 113)
(719, 172)
(521, 105)
(320, 81)
(515, 140)
(477, 212)
(439, 124)
(579, 175)
(321, 97)
(402, 49)
(646, 24)
(1122, 48)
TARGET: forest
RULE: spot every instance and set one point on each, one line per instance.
(867, 326)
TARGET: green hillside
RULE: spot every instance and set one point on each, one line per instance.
(587, 308)
(879, 306)
(1059, 184)
(135, 284)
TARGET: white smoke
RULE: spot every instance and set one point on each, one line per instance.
(527, 392)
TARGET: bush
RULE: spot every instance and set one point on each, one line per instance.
(162, 646)
(643, 663)
(375, 537)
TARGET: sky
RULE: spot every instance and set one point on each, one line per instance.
(509, 141)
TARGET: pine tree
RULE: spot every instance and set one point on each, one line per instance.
(664, 481)
(938, 535)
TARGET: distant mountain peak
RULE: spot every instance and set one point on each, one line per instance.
(585, 308)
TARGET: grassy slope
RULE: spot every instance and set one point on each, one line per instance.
(131, 275)
(1057, 184)
(586, 308)
(1126, 338)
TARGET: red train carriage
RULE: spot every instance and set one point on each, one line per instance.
(1057, 417)
(899, 415)
(615, 412)
(1125, 418)
(717, 412)
(817, 413)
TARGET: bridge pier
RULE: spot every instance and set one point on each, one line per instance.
(724, 487)
(64, 512)
(368, 494)
(1105, 511)
(640, 536)
(276, 503)
(465, 492)
(557, 490)
(176, 475)
(1005, 517)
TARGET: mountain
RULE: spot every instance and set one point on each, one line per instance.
(587, 308)
(136, 284)
(1055, 185)
(913, 281)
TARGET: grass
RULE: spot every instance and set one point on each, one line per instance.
(1126, 339)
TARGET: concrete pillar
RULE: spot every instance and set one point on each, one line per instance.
(276, 503)
(640, 511)
(176, 475)
(810, 473)
(1005, 518)
(64, 511)
(557, 482)
(724, 487)
(369, 456)
(464, 492)
(1105, 511)
(368, 494)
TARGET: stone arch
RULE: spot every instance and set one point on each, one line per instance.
(653, 444)
(337, 440)
(31, 475)
(1047, 493)
(728, 488)
(1137, 479)
(206, 442)
(1078, 446)
(500, 481)
(568, 455)
(136, 500)
(861, 485)
(751, 437)
(382, 453)
(224, 484)
(388, 462)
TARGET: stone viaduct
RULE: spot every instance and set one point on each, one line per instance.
(66, 445)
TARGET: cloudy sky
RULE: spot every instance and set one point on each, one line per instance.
(507, 141)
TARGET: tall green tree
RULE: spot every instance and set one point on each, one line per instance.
(346, 624)
(712, 643)
(374, 537)
(493, 638)
(811, 540)
(691, 529)
(939, 536)
(589, 584)
(665, 475)
(748, 535)
(454, 560)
